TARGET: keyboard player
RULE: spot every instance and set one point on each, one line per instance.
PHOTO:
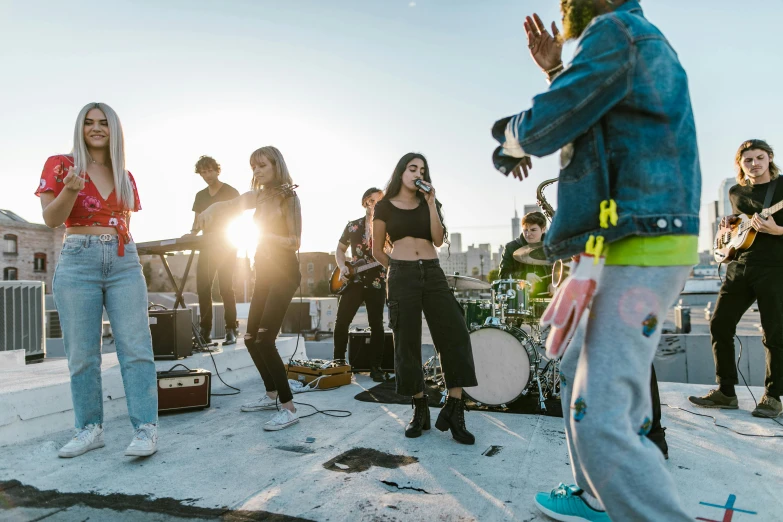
(219, 257)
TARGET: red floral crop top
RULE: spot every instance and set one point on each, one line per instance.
(90, 209)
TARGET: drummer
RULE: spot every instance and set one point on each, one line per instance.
(523, 258)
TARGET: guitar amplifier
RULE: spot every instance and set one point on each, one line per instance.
(359, 354)
(172, 333)
(184, 389)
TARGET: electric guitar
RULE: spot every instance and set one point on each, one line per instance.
(739, 236)
(355, 270)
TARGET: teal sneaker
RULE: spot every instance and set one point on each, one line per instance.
(565, 503)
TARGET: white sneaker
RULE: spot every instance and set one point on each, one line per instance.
(281, 420)
(88, 438)
(145, 441)
(265, 403)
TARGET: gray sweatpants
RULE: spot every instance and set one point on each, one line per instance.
(605, 391)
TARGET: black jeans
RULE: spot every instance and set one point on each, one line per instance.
(413, 287)
(220, 260)
(743, 285)
(350, 301)
(275, 286)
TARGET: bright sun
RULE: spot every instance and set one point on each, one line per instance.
(243, 234)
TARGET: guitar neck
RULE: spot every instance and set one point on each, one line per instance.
(367, 267)
(771, 210)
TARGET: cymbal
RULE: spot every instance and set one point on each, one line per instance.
(466, 283)
(530, 255)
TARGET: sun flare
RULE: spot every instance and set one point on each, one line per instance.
(243, 234)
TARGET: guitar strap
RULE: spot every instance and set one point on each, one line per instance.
(770, 193)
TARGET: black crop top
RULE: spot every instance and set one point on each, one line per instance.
(402, 223)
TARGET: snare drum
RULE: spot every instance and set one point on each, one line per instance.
(505, 361)
(511, 295)
(475, 311)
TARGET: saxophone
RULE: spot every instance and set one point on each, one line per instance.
(559, 269)
(541, 201)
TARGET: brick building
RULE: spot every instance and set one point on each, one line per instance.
(29, 250)
(158, 280)
(315, 267)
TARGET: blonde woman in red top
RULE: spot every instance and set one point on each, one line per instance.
(90, 192)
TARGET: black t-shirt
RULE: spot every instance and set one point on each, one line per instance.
(766, 250)
(203, 201)
(402, 223)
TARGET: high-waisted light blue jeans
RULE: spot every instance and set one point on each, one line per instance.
(90, 276)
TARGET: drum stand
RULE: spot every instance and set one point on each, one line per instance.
(432, 370)
(541, 402)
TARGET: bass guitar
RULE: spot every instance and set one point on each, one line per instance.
(337, 285)
(739, 236)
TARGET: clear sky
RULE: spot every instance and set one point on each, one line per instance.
(343, 89)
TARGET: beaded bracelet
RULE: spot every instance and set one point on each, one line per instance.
(554, 69)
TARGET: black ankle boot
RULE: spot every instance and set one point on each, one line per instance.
(205, 335)
(231, 336)
(658, 437)
(377, 374)
(452, 416)
(421, 418)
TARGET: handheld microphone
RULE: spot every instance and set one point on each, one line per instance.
(422, 186)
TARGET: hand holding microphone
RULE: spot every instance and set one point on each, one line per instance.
(427, 189)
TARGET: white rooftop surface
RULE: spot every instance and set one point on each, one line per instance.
(220, 457)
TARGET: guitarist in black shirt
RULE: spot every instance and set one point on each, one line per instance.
(755, 275)
(368, 287)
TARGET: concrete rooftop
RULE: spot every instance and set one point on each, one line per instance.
(219, 463)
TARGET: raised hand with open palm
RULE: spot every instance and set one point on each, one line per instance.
(545, 49)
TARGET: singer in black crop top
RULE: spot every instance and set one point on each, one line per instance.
(415, 284)
(402, 223)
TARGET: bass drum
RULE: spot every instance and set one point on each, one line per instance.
(505, 361)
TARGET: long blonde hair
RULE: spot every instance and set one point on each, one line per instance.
(774, 170)
(81, 157)
(276, 157)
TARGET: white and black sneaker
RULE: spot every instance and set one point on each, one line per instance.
(88, 438)
(281, 420)
(265, 403)
(145, 441)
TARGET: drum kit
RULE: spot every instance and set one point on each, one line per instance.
(508, 343)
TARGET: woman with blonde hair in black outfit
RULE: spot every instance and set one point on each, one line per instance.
(279, 216)
(409, 217)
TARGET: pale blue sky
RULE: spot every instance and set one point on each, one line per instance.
(343, 88)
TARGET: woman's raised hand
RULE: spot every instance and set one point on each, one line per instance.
(73, 181)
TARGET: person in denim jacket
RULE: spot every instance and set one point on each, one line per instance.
(620, 113)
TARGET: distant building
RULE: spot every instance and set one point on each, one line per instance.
(713, 220)
(724, 204)
(706, 258)
(315, 267)
(454, 263)
(158, 280)
(456, 242)
(531, 208)
(479, 261)
(515, 229)
(30, 250)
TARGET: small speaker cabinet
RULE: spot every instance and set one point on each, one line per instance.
(172, 333)
(359, 354)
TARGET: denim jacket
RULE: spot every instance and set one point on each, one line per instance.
(620, 114)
